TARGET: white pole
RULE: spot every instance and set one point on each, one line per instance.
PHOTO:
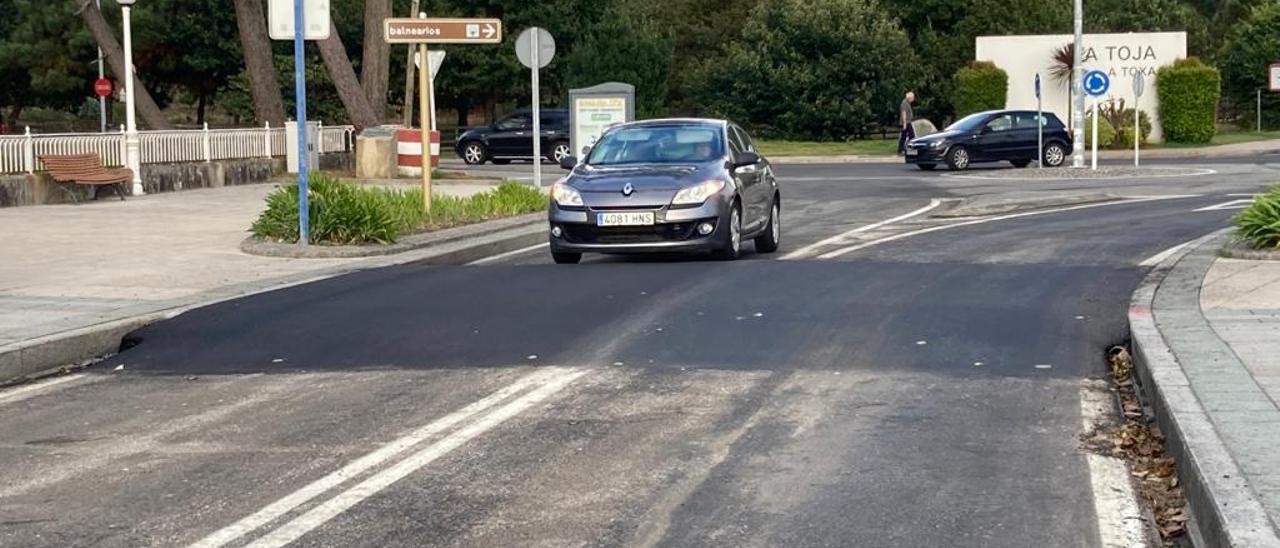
(1259, 110)
(537, 115)
(1040, 131)
(1137, 129)
(1077, 88)
(102, 100)
(133, 148)
(1094, 143)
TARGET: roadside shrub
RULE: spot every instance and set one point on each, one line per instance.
(343, 213)
(1188, 92)
(980, 86)
(1106, 133)
(1259, 224)
(1121, 119)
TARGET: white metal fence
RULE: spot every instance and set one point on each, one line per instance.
(21, 153)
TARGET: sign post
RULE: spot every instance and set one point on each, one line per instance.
(1096, 83)
(534, 48)
(1139, 85)
(422, 31)
(1039, 125)
(299, 21)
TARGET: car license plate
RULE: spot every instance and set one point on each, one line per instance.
(625, 218)
(912, 151)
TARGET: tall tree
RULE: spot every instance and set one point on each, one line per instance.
(375, 67)
(103, 35)
(264, 86)
(357, 105)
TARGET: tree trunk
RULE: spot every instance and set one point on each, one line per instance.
(106, 39)
(375, 68)
(200, 104)
(344, 78)
(264, 83)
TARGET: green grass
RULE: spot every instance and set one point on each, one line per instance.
(1259, 224)
(871, 147)
(343, 213)
(1230, 138)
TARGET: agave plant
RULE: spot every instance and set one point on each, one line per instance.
(1063, 70)
(1259, 224)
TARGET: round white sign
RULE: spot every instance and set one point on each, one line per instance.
(546, 47)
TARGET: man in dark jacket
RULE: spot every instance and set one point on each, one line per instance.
(905, 115)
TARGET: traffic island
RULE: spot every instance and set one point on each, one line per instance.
(1206, 334)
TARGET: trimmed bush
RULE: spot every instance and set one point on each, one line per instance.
(343, 213)
(1259, 224)
(980, 86)
(1188, 91)
(1106, 132)
(1124, 132)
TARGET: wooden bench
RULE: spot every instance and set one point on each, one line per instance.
(85, 169)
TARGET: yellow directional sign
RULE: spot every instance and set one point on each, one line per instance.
(442, 31)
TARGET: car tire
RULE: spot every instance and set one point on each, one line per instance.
(501, 161)
(566, 257)
(958, 158)
(926, 167)
(1055, 154)
(1020, 163)
(768, 241)
(732, 248)
(474, 153)
(559, 151)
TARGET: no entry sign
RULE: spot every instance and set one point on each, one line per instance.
(102, 87)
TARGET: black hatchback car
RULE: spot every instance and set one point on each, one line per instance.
(993, 136)
(512, 138)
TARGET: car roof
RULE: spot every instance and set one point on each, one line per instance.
(676, 122)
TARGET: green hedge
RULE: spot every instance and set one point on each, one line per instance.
(1106, 132)
(1259, 224)
(1188, 91)
(980, 86)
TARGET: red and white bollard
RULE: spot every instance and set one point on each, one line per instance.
(409, 151)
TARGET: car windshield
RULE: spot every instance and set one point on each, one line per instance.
(680, 144)
(968, 123)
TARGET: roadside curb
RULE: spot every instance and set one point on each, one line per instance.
(839, 159)
(44, 355)
(254, 246)
(1236, 249)
(1224, 508)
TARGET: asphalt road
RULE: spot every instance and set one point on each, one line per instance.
(903, 391)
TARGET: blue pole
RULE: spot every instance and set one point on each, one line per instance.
(300, 92)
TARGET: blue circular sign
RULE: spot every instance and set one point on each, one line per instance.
(1096, 83)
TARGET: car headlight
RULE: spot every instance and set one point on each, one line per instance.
(566, 195)
(698, 193)
(936, 144)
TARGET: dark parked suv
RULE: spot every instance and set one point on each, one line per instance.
(993, 136)
(512, 138)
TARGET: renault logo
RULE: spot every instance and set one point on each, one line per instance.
(627, 189)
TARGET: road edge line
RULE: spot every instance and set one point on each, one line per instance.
(1119, 514)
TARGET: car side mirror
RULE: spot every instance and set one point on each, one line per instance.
(568, 162)
(987, 129)
(746, 159)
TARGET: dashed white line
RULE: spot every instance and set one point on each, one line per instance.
(543, 378)
(1161, 256)
(1120, 520)
(887, 239)
(933, 204)
(1233, 204)
(508, 254)
(340, 503)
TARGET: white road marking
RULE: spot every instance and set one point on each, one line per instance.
(508, 254)
(340, 503)
(933, 204)
(1120, 519)
(381, 455)
(864, 245)
(1161, 256)
(1233, 204)
(34, 389)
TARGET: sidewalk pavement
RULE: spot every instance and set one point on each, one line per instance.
(1236, 150)
(68, 268)
(1207, 341)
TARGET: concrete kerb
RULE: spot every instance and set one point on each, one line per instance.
(254, 246)
(41, 356)
(1225, 511)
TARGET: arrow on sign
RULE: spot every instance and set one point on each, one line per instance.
(489, 30)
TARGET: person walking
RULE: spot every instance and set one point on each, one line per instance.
(905, 116)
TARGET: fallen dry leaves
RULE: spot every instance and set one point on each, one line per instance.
(1142, 445)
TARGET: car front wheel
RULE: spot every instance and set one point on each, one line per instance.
(768, 242)
(926, 167)
(1054, 155)
(958, 158)
(733, 243)
(565, 257)
(474, 153)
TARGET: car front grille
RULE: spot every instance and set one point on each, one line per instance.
(588, 234)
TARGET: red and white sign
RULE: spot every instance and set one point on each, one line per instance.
(102, 87)
(409, 150)
(1273, 77)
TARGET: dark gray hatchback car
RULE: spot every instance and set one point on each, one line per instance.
(664, 186)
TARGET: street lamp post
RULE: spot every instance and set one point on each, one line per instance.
(132, 146)
(1077, 89)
